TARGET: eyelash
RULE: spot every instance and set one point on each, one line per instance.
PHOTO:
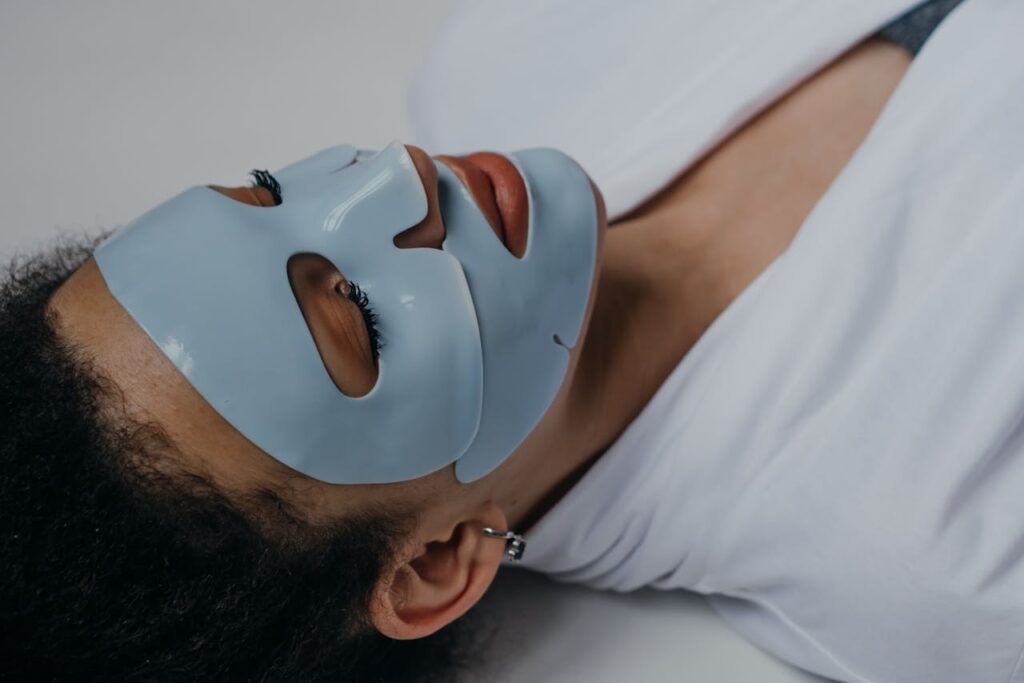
(262, 178)
(359, 298)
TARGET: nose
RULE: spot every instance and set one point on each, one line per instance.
(429, 232)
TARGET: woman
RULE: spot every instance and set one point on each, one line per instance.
(152, 538)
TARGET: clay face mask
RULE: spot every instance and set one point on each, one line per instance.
(475, 338)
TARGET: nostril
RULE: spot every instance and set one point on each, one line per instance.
(428, 233)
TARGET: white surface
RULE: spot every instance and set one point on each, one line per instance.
(837, 461)
(557, 633)
(109, 107)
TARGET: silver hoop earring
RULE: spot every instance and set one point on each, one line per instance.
(515, 544)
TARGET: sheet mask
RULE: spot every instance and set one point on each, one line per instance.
(471, 358)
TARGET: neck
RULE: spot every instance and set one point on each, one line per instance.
(654, 299)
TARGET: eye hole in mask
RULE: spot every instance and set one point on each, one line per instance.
(263, 190)
(340, 320)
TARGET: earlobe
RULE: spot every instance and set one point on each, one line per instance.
(438, 580)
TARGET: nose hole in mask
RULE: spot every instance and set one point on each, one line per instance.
(428, 233)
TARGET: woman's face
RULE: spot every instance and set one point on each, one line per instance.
(334, 311)
(345, 335)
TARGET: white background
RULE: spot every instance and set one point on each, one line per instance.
(108, 107)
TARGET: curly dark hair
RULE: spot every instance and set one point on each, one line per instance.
(115, 568)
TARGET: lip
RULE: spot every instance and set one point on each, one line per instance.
(499, 191)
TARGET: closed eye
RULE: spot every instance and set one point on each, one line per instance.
(265, 181)
(264, 190)
(354, 293)
(340, 321)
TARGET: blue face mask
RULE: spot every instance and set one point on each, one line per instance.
(475, 337)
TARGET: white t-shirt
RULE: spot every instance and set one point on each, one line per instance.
(838, 462)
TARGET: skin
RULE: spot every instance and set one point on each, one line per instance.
(665, 272)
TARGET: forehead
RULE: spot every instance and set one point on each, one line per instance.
(149, 389)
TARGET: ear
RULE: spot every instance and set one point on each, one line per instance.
(440, 576)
